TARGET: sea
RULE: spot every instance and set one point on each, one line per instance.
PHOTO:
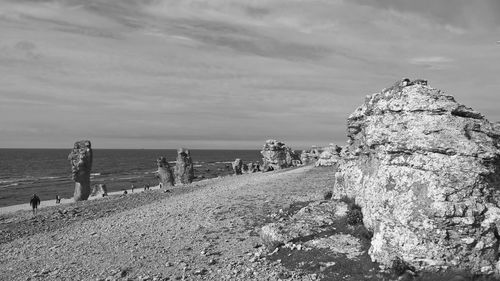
(47, 172)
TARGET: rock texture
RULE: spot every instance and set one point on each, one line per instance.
(330, 156)
(426, 172)
(164, 173)
(99, 189)
(184, 170)
(277, 156)
(81, 164)
(310, 156)
(237, 166)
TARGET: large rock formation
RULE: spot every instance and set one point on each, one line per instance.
(237, 166)
(81, 164)
(329, 156)
(164, 173)
(184, 170)
(310, 156)
(426, 172)
(277, 156)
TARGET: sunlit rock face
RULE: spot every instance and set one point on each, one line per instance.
(426, 172)
(184, 170)
(329, 156)
(276, 155)
(80, 159)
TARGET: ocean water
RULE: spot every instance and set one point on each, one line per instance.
(47, 172)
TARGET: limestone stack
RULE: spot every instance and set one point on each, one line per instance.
(329, 156)
(277, 156)
(237, 166)
(184, 170)
(80, 159)
(164, 173)
(426, 172)
(310, 156)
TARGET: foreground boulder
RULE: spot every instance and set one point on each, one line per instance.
(426, 172)
(277, 156)
(311, 220)
(237, 166)
(80, 159)
(184, 170)
(164, 173)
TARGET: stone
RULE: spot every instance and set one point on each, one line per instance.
(253, 167)
(277, 156)
(164, 173)
(80, 159)
(425, 171)
(99, 189)
(310, 220)
(184, 170)
(329, 156)
(237, 166)
(310, 156)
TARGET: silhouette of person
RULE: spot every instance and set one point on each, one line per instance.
(133, 186)
(58, 199)
(34, 202)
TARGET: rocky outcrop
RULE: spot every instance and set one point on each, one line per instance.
(426, 172)
(310, 156)
(237, 166)
(253, 167)
(277, 156)
(99, 189)
(80, 159)
(164, 173)
(184, 170)
(309, 221)
(329, 156)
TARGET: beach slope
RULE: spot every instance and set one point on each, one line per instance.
(207, 230)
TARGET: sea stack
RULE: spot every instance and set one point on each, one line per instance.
(426, 172)
(184, 171)
(238, 166)
(277, 156)
(164, 173)
(81, 164)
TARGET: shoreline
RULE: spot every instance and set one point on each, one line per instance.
(66, 201)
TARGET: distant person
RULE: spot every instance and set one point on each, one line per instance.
(132, 187)
(34, 202)
(58, 199)
(161, 185)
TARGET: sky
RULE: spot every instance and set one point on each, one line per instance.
(223, 74)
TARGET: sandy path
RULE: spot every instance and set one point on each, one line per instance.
(207, 234)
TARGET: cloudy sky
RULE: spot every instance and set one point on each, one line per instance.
(229, 74)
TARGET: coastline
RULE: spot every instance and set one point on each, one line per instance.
(209, 227)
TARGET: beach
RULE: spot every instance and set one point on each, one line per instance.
(207, 230)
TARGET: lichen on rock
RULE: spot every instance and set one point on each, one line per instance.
(426, 171)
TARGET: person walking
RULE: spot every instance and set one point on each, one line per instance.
(34, 202)
(133, 186)
(58, 199)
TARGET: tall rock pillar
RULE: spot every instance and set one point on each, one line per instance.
(81, 164)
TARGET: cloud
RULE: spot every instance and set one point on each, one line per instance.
(206, 73)
(436, 62)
